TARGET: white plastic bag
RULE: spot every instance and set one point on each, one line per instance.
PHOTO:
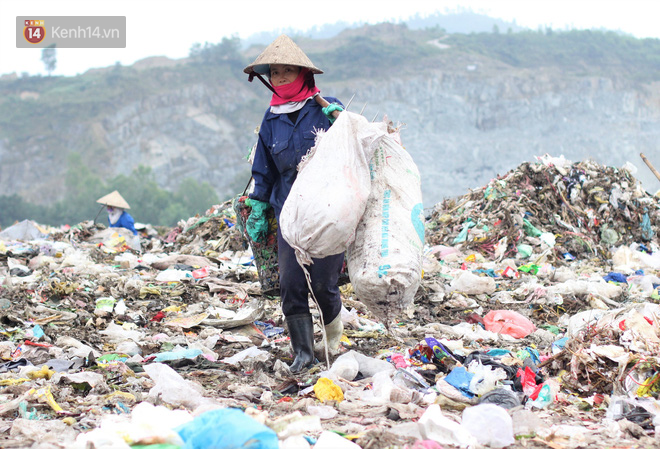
(434, 425)
(172, 388)
(470, 284)
(329, 195)
(385, 260)
(490, 424)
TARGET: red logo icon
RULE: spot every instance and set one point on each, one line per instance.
(34, 31)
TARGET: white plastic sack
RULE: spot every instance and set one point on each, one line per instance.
(385, 261)
(329, 195)
(26, 230)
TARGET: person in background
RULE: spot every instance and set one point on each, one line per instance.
(118, 217)
(286, 133)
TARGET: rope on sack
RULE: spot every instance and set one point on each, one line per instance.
(311, 291)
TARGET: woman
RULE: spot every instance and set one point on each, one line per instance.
(118, 216)
(286, 134)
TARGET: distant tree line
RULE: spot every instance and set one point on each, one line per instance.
(227, 51)
(149, 203)
(572, 50)
(598, 52)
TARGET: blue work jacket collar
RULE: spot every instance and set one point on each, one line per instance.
(285, 117)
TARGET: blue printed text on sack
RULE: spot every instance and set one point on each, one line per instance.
(385, 225)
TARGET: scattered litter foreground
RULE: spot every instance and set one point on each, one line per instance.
(536, 325)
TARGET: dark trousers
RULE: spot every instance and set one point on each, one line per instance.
(323, 273)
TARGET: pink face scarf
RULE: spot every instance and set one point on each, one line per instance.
(295, 91)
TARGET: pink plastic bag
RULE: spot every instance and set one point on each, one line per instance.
(201, 273)
(508, 322)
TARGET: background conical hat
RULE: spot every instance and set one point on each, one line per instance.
(281, 51)
(114, 199)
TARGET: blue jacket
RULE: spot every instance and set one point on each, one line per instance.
(280, 147)
(125, 221)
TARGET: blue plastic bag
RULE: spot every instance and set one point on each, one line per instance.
(616, 277)
(226, 428)
(647, 230)
(460, 378)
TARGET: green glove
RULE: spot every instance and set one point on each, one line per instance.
(329, 109)
(257, 224)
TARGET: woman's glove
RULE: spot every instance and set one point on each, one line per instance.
(257, 224)
(329, 109)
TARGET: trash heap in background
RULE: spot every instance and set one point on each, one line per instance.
(568, 210)
(536, 324)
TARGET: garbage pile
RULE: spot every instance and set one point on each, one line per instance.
(579, 210)
(536, 325)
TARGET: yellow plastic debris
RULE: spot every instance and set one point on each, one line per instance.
(347, 289)
(69, 421)
(10, 382)
(173, 308)
(63, 288)
(48, 396)
(326, 390)
(43, 373)
(445, 218)
(149, 290)
(120, 395)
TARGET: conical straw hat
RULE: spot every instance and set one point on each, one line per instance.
(281, 51)
(114, 199)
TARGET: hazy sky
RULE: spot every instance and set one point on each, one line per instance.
(170, 27)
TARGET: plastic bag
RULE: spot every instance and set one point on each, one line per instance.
(471, 284)
(350, 363)
(508, 322)
(250, 353)
(118, 334)
(226, 428)
(381, 390)
(503, 397)
(527, 380)
(460, 378)
(485, 377)
(147, 425)
(331, 440)
(542, 397)
(329, 196)
(385, 260)
(322, 411)
(345, 367)
(490, 424)
(326, 390)
(172, 388)
(434, 425)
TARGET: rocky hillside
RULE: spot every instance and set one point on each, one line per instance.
(466, 116)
